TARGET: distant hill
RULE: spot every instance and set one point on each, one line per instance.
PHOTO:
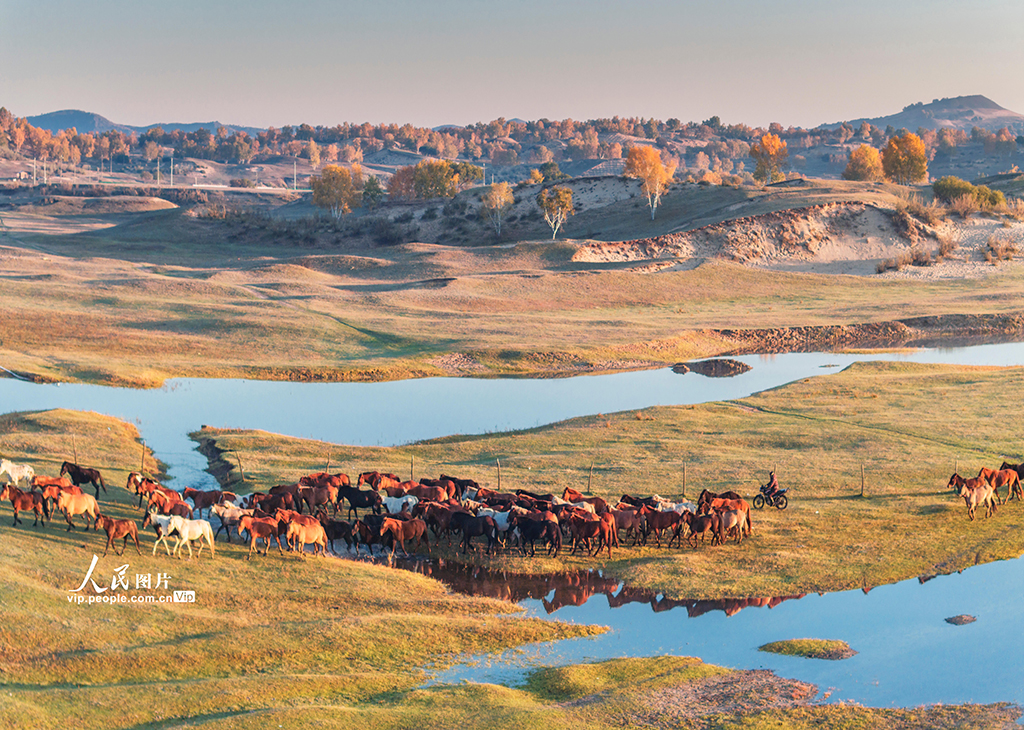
(961, 112)
(82, 121)
(97, 124)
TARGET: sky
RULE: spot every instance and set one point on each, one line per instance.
(433, 62)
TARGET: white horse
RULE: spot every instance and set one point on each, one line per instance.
(189, 530)
(161, 523)
(394, 504)
(17, 472)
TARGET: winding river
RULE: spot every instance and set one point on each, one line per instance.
(908, 654)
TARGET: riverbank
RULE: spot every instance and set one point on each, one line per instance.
(817, 434)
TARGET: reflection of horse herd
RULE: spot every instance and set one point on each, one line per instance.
(408, 511)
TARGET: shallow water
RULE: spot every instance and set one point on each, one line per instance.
(908, 654)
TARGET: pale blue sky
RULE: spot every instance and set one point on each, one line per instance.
(258, 63)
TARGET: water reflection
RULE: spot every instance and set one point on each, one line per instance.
(569, 588)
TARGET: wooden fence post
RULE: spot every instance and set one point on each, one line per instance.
(684, 480)
(498, 462)
(142, 466)
(590, 479)
(412, 468)
(862, 480)
(327, 469)
(74, 445)
(241, 471)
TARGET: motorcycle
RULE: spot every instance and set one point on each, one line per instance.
(777, 500)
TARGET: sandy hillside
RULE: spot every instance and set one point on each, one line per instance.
(832, 238)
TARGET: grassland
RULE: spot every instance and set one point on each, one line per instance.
(140, 297)
(895, 420)
(334, 643)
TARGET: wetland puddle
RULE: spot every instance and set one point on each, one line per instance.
(908, 653)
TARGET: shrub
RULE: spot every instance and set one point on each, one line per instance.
(946, 246)
(999, 250)
(949, 188)
(964, 205)
(241, 182)
(931, 213)
(920, 257)
(1015, 208)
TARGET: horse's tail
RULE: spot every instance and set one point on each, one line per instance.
(750, 524)
(101, 482)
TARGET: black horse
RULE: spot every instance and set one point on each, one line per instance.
(473, 527)
(359, 498)
(82, 474)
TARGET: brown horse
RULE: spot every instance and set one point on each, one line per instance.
(119, 528)
(203, 499)
(143, 486)
(412, 529)
(701, 525)
(706, 496)
(719, 504)
(571, 495)
(974, 491)
(259, 528)
(25, 501)
(162, 501)
(1003, 478)
(315, 496)
(323, 479)
(652, 520)
(78, 504)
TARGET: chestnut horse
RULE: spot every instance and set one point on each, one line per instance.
(405, 530)
(259, 528)
(119, 528)
(25, 501)
(82, 474)
(1003, 478)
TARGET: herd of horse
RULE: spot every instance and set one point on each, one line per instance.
(984, 488)
(404, 514)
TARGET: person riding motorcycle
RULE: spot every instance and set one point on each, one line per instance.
(772, 487)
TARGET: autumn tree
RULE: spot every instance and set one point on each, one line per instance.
(771, 156)
(497, 202)
(400, 186)
(644, 163)
(865, 164)
(556, 205)
(337, 189)
(904, 160)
